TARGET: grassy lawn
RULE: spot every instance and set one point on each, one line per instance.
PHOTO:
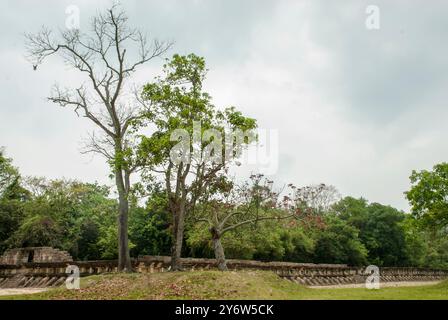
(219, 285)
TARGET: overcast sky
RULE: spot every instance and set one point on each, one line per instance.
(356, 108)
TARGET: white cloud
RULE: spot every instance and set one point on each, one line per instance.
(354, 108)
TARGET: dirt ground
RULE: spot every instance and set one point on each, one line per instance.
(15, 291)
(7, 292)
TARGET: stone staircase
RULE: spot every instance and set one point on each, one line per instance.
(29, 281)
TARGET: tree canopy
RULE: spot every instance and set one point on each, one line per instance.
(81, 218)
(428, 195)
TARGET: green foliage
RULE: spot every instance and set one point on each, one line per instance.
(187, 150)
(38, 231)
(12, 198)
(87, 244)
(425, 247)
(65, 214)
(380, 230)
(339, 243)
(268, 241)
(108, 242)
(428, 195)
(354, 233)
(198, 242)
(81, 218)
(149, 227)
(269, 245)
(9, 176)
(11, 216)
(437, 251)
(177, 101)
(299, 246)
(416, 245)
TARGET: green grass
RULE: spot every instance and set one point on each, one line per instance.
(222, 285)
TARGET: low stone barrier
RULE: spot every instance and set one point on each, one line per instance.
(309, 274)
(49, 274)
(53, 274)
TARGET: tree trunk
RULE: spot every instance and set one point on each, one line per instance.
(178, 232)
(124, 258)
(219, 250)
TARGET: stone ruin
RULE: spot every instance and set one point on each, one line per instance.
(25, 267)
(34, 255)
(46, 267)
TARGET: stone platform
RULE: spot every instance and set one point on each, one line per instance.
(51, 274)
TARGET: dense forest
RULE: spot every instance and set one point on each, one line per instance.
(82, 219)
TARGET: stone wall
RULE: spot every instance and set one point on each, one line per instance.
(303, 273)
(34, 254)
(49, 274)
(53, 273)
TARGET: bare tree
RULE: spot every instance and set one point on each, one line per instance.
(227, 206)
(102, 56)
(317, 198)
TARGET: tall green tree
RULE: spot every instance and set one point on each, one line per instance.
(9, 177)
(380, 230)
(12, 199)
(417, 246)
(186, 151)
(428, 195)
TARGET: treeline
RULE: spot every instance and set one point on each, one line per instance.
(352, 232)
(82, 218)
